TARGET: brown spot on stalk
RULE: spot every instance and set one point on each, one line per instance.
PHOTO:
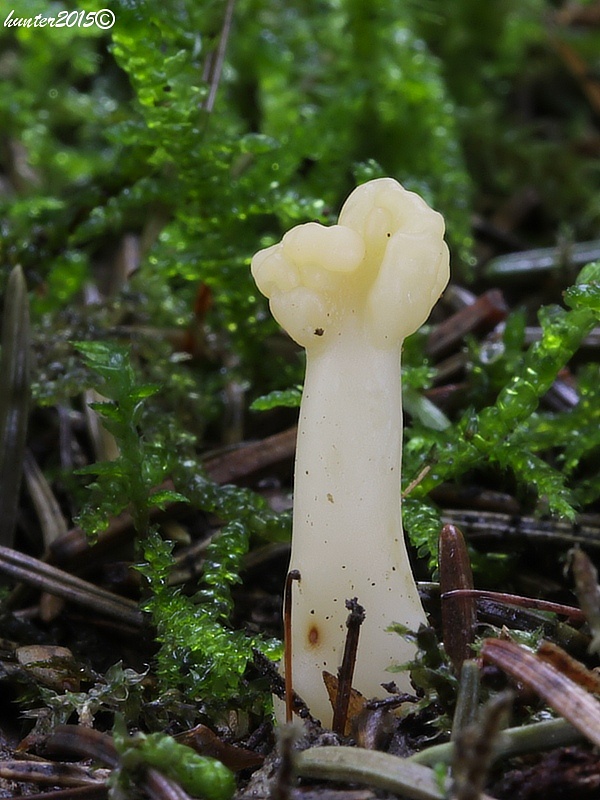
(313, 636)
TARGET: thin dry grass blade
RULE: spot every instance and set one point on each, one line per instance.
(372, 768)
(14, 400)
(467, 700)
(587, 590)
(21, 567)
(51, 519)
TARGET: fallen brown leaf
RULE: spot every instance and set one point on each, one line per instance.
(560, 692)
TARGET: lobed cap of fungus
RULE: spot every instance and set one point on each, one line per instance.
(385, 261)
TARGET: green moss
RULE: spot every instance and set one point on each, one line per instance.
(129, 481)
(198, 775)
(132, 132)
(511, 435)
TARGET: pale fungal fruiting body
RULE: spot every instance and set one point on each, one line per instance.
(350, 294)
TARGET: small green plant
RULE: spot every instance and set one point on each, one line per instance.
(118, 690)
(131, 480)
(199, 654)
(430, 669)
(199, 776)
(511, 435)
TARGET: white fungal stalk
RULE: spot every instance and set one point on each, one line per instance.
(350, 294)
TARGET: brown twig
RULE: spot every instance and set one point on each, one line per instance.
(356, 617)
(215, 65)
(486, 525)
(89, 743)
(270, 671)
(55, 581)
(83, 742)
(570, 612)
(487, 311)
(49, 773)
(293, 575)
(99, 792)
(159, 787)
